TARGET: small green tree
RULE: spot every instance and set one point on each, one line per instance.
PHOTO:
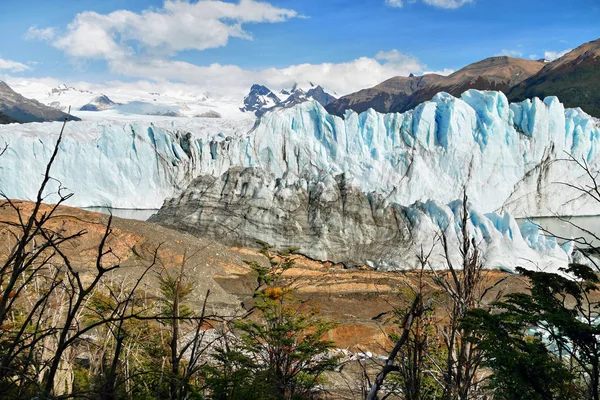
(521, 365)
(545, 342)
(280, 352)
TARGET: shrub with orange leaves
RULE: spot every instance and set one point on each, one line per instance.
(273, 292)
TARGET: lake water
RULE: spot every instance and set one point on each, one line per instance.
(567, 227)
(140, 215)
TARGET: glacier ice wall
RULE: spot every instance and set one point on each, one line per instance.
(508, 156)
(115, 164)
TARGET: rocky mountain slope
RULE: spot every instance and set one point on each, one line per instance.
(16, 107)
(574, 78)
(495, 73)
(401, 94)
(381, 97)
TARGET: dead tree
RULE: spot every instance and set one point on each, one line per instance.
(465, 287)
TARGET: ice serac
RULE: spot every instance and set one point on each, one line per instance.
(328, 219)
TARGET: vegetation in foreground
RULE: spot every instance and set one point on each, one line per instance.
(69, 334)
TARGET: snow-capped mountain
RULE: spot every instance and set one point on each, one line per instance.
(113, 102)
(261, 99)
(99, 103)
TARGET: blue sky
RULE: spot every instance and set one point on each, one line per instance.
(336, 41)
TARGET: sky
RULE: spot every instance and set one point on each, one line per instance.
(226, 45)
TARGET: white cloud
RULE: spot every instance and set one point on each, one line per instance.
(232, 82)
(448, 4)
(394, 3)
(444, 72)
(143, 45)
(392, 56)
(553, 55)
(45, 34)
(176, 27)
(510, 53)
(13, 66)
(533, 57)
(341, 78)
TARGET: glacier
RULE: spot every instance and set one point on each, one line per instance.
(509, 157)
(350, 188)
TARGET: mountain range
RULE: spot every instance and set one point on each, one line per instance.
(401, 94)
(262, 99)
(574, 78)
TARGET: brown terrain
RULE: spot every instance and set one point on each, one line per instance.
(360, 300)
(381, 97)
(495, 73)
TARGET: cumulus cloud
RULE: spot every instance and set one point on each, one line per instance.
(13, 66)
(553, 55)
(447, 4)
(175, 27)
(144, 45)
(341, 78)
(45, 34)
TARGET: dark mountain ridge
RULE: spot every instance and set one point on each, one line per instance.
(574, 78)
(17, 108)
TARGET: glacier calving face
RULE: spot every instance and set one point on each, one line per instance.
(480, 142)
(115, 164)
(508, 156)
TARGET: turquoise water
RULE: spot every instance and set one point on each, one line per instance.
(564, 228)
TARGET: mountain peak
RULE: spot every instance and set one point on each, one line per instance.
(262, 99)
(17, 108)
(99, 103)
